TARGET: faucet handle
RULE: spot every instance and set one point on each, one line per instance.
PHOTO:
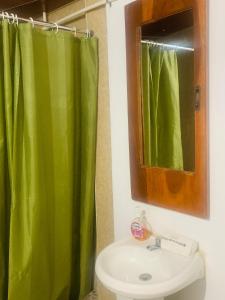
(155, 244)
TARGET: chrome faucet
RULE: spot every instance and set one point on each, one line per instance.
(156, 245)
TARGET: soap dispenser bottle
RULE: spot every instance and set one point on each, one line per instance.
(140, 227)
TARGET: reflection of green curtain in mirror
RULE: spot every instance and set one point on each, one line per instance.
(161, 108)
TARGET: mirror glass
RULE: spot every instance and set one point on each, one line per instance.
(168, 93)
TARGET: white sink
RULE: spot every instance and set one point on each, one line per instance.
(129, 269)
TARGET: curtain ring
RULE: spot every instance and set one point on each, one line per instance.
(16, 20)
(32, 21)
(57, 27)
(7, 16)
(13, 18)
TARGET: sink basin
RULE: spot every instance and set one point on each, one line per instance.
(129, 269)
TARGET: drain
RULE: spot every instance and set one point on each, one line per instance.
(145, 277)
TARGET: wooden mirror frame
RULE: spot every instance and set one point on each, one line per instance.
(181, 191)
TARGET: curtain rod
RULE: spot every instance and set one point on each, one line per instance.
(168, 45)
(15, 19)
(78, 14)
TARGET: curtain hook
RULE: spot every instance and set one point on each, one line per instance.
(57, 27)
(75, 31)
(87, 33)
(86, 19)
(32, 21)
(87, 30)
(3, 15)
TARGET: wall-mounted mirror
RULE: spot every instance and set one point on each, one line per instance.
(166, 67)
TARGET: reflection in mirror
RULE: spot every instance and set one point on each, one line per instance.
(168, 98)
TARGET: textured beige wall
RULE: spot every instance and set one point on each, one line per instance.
(104, 206)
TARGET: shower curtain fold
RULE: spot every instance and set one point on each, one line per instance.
(48, 124)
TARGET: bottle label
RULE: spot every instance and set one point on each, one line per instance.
(137, 230)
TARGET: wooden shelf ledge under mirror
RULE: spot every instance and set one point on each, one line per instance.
(166, 44)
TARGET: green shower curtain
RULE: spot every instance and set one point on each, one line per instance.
(162, 143)
(48, 116)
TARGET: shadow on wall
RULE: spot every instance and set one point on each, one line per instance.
(195, 291)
